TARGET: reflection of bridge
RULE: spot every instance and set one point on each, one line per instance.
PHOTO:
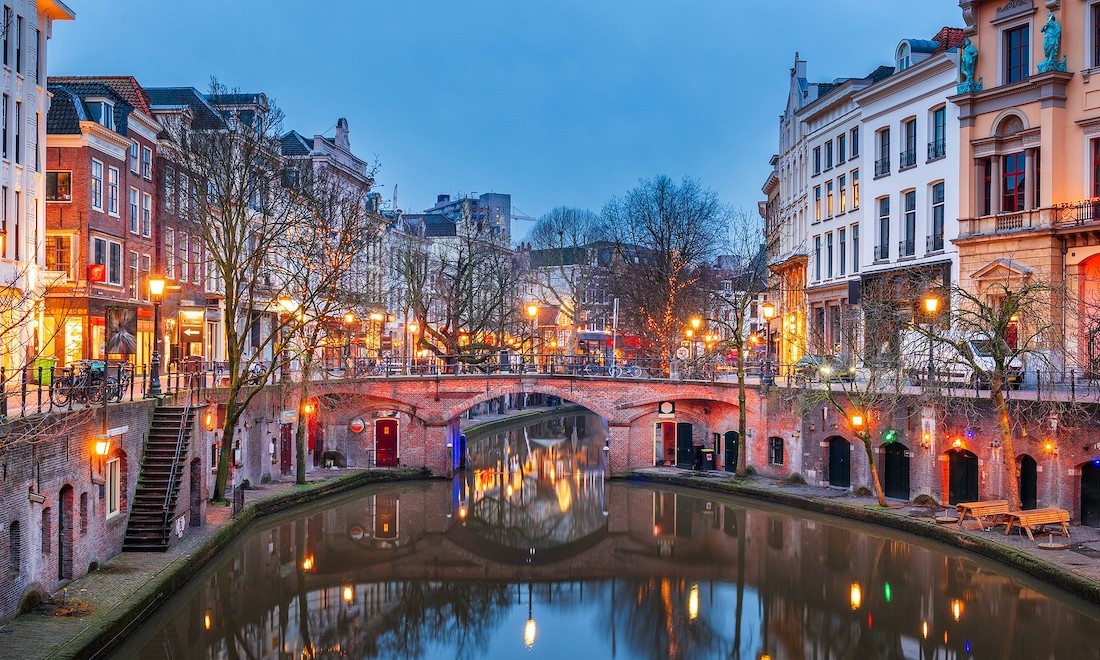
(427, 411)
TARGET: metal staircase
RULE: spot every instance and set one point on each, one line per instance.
(150, 525)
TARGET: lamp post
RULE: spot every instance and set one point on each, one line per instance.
(533, 312)
(156, 292)
(379, 318)
(695, 323)
(410, 347)
(767, 310)
(349, 321)
(931, 306)
(690, 335)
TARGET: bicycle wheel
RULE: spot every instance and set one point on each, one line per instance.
(615, 371)
(114, 390)
(634, 371)
(591, 369)
(94, 390)
(61, 391)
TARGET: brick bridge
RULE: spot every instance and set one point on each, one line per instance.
(426, 412)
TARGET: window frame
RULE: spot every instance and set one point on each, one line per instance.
(146, 163)
(854, 149)
(146, 214)
(883, 228)
(57, 244)
(97, 185)
(1022, 68)
(909, 226)
(113, 179)
(135, 157)
(938, 220)
(776, 450)
(55, 175)
(133, 202)
(1019, 177)
(112, 475)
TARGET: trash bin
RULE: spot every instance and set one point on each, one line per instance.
(708, 459)
(46, 364)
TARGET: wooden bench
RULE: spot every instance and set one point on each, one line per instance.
(980, 510)
(1026, 520)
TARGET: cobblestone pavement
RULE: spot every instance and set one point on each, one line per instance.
(104, 591)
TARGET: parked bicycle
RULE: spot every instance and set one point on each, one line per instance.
(81, 383)
(119, 381)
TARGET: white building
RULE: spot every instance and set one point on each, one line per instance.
(29, 24)
(910, 215)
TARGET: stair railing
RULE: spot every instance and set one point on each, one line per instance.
(175, 462)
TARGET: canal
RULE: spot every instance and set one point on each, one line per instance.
(529, 552)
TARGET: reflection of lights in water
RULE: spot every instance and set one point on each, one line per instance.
(565, 495)
(349, 594)
(307, 563)
(856, 596)
(206, 620)
(462, 513)
(956, 609)
(924, 629)
(693, 602)
(529, 633)
(510, 491)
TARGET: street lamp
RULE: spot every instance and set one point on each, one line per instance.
(349, 319)
(690, 334)
(768, 312)
(533, 312)
(931, 306)
(156, 292)
(858, 421)
(410, 347)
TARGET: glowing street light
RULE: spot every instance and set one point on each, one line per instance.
(931, 306)
(156, 292)
(767, 310)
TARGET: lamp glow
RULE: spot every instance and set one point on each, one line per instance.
(931, 304)
(349, 593)
(956, 609)
(529, 633)
(693, 602)
(856, 596)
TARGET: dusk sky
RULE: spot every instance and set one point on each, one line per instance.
(557, 102)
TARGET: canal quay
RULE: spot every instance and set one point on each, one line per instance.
(532, 549)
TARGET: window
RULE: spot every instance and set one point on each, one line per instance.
(882, 163)
(883, 251)
(15, 534)
(16, 216)
(829, 254)
(841, 148)
(817, 202)
(146, 214)
(1095, 166)
(59, 186)
(1017, 47)
(855, 248)
(147, 163)
(909, 149)
(842, 186)
(146, 268)
(829, 199)
(36, 39)
(18, 132)
(134, 217)
(59, 254)
(184, 261)
(817, 258)
(19, 44)
(855, 141)
(170, 253)
(829, 155)
(7, 36)
(114, 486)
(34, 142)
(112, 190)
(135, 149)
(183, 188)
(908, 245)
(855, 189)
(133, 274)
(1013, 179)
(47, 529)
(1094, 15)
(904, 56)
(114, 264)
(102, 113)
(775, 451)
(842, 247)
(817, 160)
(7, 103)
(936, 243)
(169, 191)
(97, 185)
(937, 148)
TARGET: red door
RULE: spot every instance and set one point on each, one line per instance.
(286, 448)
(668, 442)
(385, 442)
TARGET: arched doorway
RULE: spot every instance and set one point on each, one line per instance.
(962, 476)
(1090, 494)
(65, 533)
(731, 451)
(1088, 295)
(1029, 480)
(664, 451)
(315, 431)
(895, 473)
(840, 462)
(386, 451)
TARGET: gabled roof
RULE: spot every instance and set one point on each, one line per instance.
(66, 113)
(295, 144)
(125, 86)
(437, 225)
(206, 116)
(67, 120)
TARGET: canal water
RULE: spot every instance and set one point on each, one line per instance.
(530, 553)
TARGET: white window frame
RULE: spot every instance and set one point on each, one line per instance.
(112, 473)
(114, 276)
(146, 214)
(185, 248)
(112, 190)
(135, 157)
(133, 271)
(147, 163)
(97, 185)
(170, 253)
(134, 211)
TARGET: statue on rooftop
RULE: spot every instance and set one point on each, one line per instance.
(968, 63)
(1052, 44)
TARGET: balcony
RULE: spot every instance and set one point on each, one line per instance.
(933, 243)
(908, 158)
(1080, 213)
(907, 247)
(937, 149)
(882, 252)
(882, 167)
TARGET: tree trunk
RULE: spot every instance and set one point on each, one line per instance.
(880, 495)
(225, 453)
(1000, 404)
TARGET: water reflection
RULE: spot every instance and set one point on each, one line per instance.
(609, 570)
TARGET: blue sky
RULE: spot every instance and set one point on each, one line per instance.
(558, 102)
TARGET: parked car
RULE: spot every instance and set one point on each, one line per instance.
(954, 357)
(823, 368)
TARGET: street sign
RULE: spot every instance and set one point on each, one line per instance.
(192, 325)
(682, 353)
(387, 343)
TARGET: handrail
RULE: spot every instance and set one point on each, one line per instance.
(176, 459)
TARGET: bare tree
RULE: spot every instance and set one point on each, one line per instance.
(663, 232)
(734, 308)
(244, 216)
(562, 270)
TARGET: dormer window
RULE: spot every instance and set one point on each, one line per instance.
(102, 112)
(904, 56)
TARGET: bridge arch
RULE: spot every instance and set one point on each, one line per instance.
(597, 407)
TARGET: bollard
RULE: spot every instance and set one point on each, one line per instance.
(1072, 384)
(1038, 384)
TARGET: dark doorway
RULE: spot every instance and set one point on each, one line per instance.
(962, 477)
(1090, 494)
(896, 471)
(840, 462)
(461, 451)
(386, 516)
(1029, 482)
(385, 443)
(316, 433)
(65, 534)
(195, 508)
(731, 451)
(286, 448)
(667, 450)
(685, 455)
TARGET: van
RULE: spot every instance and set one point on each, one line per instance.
(952, 363)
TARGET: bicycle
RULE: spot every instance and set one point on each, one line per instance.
(82, 383)
(118, 384)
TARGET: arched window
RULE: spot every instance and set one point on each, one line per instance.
(47, 530)
(904, 56)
